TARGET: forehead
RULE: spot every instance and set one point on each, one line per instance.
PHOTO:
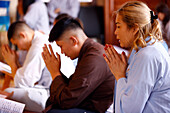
(60, 42)
(118, 19)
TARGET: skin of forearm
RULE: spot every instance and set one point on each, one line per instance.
(14, 68)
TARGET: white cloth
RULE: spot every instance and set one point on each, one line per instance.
(22, 55)
(35, 99)
(34, 71)
(37, 17)
(70, 7)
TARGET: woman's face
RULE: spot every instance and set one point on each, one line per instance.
(123, 33)
(161, 16)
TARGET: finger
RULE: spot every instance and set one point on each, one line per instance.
(45, 59)
(46, 54)
(4, 50)
(8, 49)
(106, 59)
(124, 58)
(46, 51)
(43, 56)
(51, 50)
(116, 54)
(108, 49)
(108, 53)
(58, 57)
(3, 54)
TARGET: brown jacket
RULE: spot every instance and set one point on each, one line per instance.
(90, 87)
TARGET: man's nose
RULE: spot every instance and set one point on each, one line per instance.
(62, 51)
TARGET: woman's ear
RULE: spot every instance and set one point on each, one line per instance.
(74, 40)
(135, 29)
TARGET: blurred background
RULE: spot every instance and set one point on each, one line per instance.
(97, 17)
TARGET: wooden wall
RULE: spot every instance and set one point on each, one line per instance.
(112, 5)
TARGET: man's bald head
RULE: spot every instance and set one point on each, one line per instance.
(17, 27)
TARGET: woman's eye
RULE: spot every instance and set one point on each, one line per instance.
(118, 26)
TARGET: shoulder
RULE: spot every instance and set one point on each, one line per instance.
(93, 46)
(92, 53)
(37, 5)
(39, 39)
(151, 53)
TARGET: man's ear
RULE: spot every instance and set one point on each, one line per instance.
(135, 29)
(22, 34)
(74, 40)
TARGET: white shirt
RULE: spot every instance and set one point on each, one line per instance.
(37, 17)
(70, 7)
(34, 69)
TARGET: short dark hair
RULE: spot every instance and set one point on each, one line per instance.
(14, 27)
(60, 16)
(26, 4)
(64, 24)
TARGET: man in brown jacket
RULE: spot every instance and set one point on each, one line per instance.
(90, 88)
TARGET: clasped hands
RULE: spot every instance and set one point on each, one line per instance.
(11, 58)
(52, 62)
(117, 63)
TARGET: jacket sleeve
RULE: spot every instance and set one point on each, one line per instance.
(88, 76)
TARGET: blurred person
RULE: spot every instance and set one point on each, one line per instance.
(60, 16)
(142, 82)
(56, 7)
(32, 80)
(163, 12)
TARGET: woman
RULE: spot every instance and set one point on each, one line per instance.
(143, 82)
(164, 17)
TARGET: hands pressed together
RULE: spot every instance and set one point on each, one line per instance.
(11, 58)
(53, 64)
(116, 63)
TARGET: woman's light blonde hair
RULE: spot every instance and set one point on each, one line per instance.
(138, 13)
